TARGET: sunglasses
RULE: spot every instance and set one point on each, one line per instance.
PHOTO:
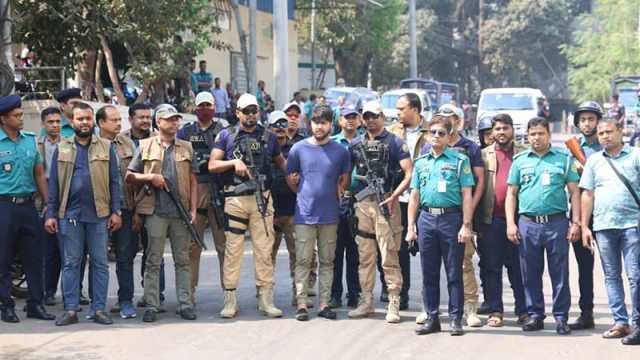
(439, 133)
(280, 124)
(369, 116)
(250, 110)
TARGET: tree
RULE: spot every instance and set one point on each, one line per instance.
(606, 45)
(159, 36)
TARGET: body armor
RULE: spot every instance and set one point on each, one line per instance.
(244, 142)
(377, 153)
(202, 143)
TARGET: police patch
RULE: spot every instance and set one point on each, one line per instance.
(405, 148)
(467, 170)
(6, 167)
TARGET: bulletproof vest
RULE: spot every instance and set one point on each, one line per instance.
(242, 144)
(280, 186)
(202, 143)
(377, 156)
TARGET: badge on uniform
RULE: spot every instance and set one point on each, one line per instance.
(6, 167)
(546, 179)
(442, 186)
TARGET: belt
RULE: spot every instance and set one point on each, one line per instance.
(441, 211)
(244, 193)
(17, 199)
(544, 218)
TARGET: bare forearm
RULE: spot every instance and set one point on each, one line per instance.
(412, 209)
(510, 207)
(220, 166)
(137, 178)
(467, 208)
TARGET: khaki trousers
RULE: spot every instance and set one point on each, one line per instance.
(374, 232)
(206, 216)
(158, 229)
(307, 236)
(243, 215)
(469, 274)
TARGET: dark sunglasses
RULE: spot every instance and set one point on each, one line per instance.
(369, 116)
(280, 124)
(251, 110)
(439, 133)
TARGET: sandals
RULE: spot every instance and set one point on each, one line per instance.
(617, 332)
(495, 320)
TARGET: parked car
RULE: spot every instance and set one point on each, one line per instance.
(440, 93)
(390, 98)
(520, 103)
(357, 96)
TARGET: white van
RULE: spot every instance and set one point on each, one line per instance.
(390, 98)
(520, 103)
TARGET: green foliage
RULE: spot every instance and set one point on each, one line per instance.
(607, 44)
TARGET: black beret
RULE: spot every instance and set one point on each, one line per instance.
(8, 103)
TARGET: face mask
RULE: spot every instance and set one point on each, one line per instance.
(205, 114)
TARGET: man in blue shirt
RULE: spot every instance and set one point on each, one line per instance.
(222, 103)
(318, 171)
(202, 78)
(84, 204)
(21, 175)
(615, 222)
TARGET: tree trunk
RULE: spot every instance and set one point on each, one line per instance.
(98, 77)
(159, 96)
(144, 94)
(323, 72)
(113, 73)
(84, 73)
(243, 41)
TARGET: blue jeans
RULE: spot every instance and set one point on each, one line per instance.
(75, 236)
(536, 239)
(498, 252)
(438, 243)
(52, 264)
(612, 243)
(126, 243)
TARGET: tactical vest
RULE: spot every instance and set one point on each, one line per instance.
(202, 143)
(378, 156)
(244, 142)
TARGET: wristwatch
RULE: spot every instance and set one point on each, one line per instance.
(119, 212)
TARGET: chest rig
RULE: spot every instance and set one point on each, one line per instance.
(373, 155)
(253, 152)
(202, 143)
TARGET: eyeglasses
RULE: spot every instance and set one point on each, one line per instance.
(370, 116)
(439, 133)
(280, 124)
(250, 110)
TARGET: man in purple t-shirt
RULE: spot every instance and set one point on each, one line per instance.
(318, 170)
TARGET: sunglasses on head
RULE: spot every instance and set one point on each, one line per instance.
(250, 110)
(439, 132)
(280, 124)
(369, 116)
(446, 112)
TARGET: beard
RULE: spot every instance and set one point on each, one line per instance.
(83, 134)
(320, 136)
(590, 133)
(249, 123)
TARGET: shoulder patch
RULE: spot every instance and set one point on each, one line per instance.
(405, 148)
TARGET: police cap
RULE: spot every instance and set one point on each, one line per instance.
(8, 103)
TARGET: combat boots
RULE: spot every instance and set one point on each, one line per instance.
(471, 312)
(230, 308)
(265, 304)
(365, 307)
(393, 310)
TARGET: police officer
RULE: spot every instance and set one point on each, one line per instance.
(537, 184)
(484, 131)
(586, 118)
(233, 151)
(21, 175)
(441, 193)
(469, 148)
(379, 155)
(201, 134)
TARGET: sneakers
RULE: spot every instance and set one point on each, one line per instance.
(127, 311)
(471, 312)
(365, 307)
(393, 310)
(230, 308)
(150, 315)
(302, 314)
(265, 304)
(327, 313)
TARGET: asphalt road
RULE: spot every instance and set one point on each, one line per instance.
(251, 336)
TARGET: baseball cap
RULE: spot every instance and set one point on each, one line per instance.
(205, 96)
(348, 110)
(447, 110)
(166, 111)
(373, 107)
(247, 100)
(290, 105)
(277, 115)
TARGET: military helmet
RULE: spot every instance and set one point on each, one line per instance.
(485, 123)
(590, 106)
